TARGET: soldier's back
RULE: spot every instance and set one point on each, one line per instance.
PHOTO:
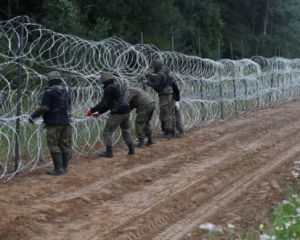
(137, 98)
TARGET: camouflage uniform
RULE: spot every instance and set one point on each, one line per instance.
(177, 116)
(55, 107)
(58, 134)
(114, 100)
(145, 107)
(112, 124)
(58, 139)
(179, 120)
(159, 83)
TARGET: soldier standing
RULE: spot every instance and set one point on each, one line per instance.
(113, 100)
(177, 117)
(55, 107)
(145, 107)
(159, 83)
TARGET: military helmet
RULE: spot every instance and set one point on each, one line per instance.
(157, 63)
(54, 75)
(166, 70)
(106, 76)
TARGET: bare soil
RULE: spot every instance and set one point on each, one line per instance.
(231, 171)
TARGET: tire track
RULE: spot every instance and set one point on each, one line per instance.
(160, 162)
(227, 178)
(182, 227)
(194, 178)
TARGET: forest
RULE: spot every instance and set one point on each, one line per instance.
(252, 27)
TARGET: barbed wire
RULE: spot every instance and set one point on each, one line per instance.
(210, 89)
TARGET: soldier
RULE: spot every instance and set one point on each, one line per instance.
(177, 118)
(145, 107)
(113, 100)
(55, 107)
(159, 83)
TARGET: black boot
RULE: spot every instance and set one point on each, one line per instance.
(167, 134)
(150, 140)
(108, 153)
(181, 134)
(172, 133)
(131, 150)
(58, 164)
(141, 143)
(65, 158)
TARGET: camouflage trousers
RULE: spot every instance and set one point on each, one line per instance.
(178, 121)
(167, 108)
(58, 138)
(143, 120)
(113, 122)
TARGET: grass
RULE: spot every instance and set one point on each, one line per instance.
(284, 222)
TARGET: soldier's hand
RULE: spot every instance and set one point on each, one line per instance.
(89, 113)
(96, 114)
(31, 119)
(177, 105)
(145, 80)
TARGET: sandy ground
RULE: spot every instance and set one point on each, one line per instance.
(230, 171)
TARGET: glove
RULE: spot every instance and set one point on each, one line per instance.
(145, 80)
(177, 105)
(31, 118)
(96, 114)
(89, 113)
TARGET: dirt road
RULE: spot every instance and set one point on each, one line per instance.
(227, 172)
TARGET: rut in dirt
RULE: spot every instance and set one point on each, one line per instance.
(163, 192)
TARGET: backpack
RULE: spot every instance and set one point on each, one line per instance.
(121, 101)
(63, 103)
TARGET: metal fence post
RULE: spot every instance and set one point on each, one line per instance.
(142, 46)
(201, 83)
(257, 99)
(172, 50)
(233, 81)
(220, 80)
(271, 89)
(242, 46)
(17, 144)
(246, 93)
(70, 93)
(199, 43)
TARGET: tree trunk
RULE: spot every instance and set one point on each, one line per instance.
(8, 9)
(253, 18)
(266, 18)
(266, 21)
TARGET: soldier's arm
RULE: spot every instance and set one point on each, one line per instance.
(45, 104)
(176, 92)
(103, 106)
(154, 81)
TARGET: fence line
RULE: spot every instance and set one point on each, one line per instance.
(210, 89)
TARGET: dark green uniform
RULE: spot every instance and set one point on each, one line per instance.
(57, 123)
(179, 120)
(145, 107)
(177, 117)
(55, 108)
(158, 82)
(114, 100)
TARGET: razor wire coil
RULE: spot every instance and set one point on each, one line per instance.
(206, 86)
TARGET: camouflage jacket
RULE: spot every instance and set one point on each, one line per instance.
(158, 82)
(137, 98)
(50, 101)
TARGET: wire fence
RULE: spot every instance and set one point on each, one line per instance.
(210, 89)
